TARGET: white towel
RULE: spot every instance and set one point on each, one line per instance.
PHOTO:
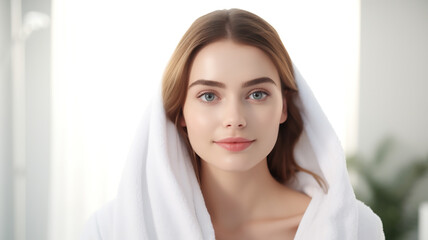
(159, 196)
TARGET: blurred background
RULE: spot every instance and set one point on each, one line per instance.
(76, 75)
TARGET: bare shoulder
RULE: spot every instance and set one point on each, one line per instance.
(286, 215)
(296, 202)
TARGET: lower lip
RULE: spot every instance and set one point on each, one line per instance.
(234, 146)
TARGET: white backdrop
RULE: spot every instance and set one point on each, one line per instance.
(109, 55)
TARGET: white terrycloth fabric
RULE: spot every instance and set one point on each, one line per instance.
(159, 196)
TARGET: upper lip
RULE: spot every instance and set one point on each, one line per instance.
(234, 140)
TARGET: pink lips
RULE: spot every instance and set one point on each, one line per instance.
(234, 144)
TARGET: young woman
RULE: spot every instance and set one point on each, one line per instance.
(235, 147)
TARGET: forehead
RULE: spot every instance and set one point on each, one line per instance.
(228, 61)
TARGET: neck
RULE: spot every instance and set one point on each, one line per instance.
(232, 198)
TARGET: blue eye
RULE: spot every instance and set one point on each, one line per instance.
(258, 95)
(208, 97)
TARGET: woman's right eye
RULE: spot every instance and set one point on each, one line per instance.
(208, 97)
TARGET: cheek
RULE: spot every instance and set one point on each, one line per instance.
(266, 122)
(199, 121)
(196, 116)
(268, 116)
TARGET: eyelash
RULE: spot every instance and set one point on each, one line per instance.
(263, 92)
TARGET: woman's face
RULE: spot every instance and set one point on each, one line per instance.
(233, 106)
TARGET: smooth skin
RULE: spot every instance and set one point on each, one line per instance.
(235, 91)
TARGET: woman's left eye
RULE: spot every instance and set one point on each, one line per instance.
(258, 95)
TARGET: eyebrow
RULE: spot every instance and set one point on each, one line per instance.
(222, 85)
(258, 81)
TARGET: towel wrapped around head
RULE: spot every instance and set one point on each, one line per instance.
(159, 196)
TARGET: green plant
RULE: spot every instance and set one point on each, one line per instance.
(388, 198)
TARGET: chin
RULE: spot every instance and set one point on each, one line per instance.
(235, 164)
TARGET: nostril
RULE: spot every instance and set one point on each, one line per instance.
(235, 123)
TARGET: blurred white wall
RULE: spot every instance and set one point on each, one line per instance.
(30, 204)
(393, 101)
(6, 171)
(38, 122)
(393, 98)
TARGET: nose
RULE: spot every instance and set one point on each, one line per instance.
(234, 115)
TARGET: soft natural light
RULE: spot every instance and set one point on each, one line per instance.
(108, 59)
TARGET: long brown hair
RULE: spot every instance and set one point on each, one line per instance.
(246, 28)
